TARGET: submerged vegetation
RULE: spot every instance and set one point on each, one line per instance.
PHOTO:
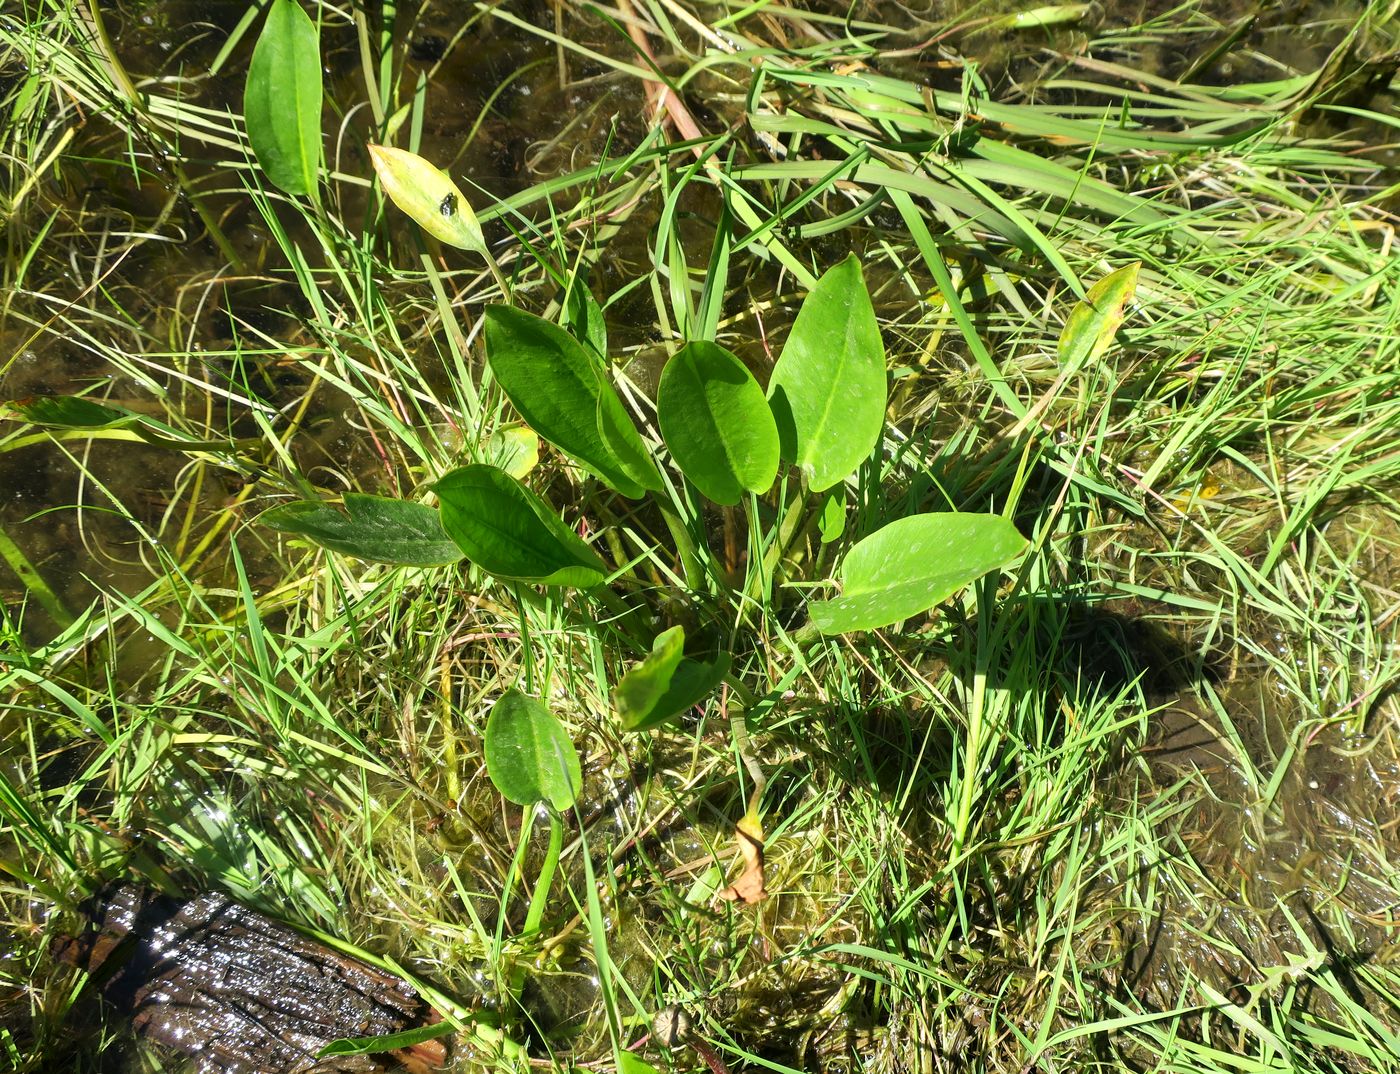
(1102, 303)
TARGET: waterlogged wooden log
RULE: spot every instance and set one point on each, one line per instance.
(237, 992)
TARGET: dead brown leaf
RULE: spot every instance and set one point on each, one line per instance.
(748, 889)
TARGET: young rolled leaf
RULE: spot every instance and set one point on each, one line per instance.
(282, 99)
(828, 391)
(427, 194)
(69, 412)
(561, 392)
(376, 528)
(716, 422)
(913, 564)
(1092, 324)
(665, 684)
(529, 756)
(508, 531)
(1038, 18)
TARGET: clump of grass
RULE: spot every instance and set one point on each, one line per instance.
(1129, 812)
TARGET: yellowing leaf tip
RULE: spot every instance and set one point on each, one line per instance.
(428, 195)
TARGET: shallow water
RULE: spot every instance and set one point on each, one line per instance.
(128, 268)
(120, 273)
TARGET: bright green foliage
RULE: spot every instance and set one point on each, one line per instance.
(282, 99)
(665, 684)
(913, 564)
(584, 317)
(644, 684)
(563, 394)
(508, 531)
(429, 195)
(371, 527)
(629, 1063)
(832, 519)
(716, 422)
(69, 412)
(514, 448)
(828, 390)
(529, 756)
(388, 1042)
(1092, 324)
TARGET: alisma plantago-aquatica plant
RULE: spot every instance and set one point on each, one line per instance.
(823, 415)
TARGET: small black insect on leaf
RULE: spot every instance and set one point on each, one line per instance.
(448, 205)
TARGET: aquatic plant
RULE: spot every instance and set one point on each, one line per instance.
(1123, 805)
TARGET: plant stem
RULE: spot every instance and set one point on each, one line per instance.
(685, 546)
(527, 650)
(757, 587)
(739, 731)
(535, 914)
(34, 582)
(501, 281)
(449, 733)
(787, 528)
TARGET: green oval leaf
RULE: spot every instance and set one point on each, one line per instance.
(508, 531)
(282, 99)
(1092, 324)
(643, 684)
(627, 1063)
(377, 528)
(529, 756)
(665, 684)
(828, 390)
(913, 564)
(427, 194)
(716, 422)
(560, 391)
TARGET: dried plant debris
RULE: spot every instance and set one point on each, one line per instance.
(237, 992)
(749, 888)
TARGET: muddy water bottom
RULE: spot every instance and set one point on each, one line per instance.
(1269, 884)
(1281, 838)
